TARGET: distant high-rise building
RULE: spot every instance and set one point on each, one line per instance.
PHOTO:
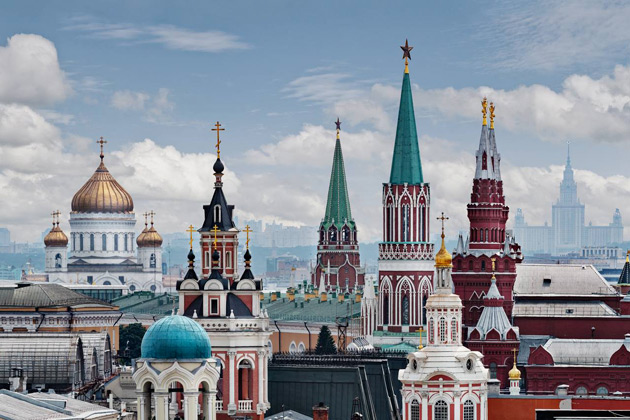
(5, 237)
(567, 233)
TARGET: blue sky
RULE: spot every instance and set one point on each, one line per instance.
(277, 74)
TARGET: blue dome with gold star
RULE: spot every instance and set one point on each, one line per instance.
(176, 337)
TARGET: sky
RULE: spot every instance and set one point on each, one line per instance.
(152, 77)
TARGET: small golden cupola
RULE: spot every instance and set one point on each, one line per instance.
(140, 238)
(149, 238)
(443, 258)
(102, 193)
(56, 237)
(514, 373)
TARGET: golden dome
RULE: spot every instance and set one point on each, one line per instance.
(514, 373)
(140, 238)
(150, 239)
(102, 194)
(443, 258)
(56, 237)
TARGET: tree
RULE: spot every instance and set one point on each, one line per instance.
(325, 342)
(130, 341)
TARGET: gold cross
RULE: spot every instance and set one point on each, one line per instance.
(151, 213)
(190, 230)
(101, 141)
(420, 330)
(218, 145)
(442, 218)
(247, 231)
(215, 229)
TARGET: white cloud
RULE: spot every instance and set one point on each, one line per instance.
(156, 107)
(169, 36)
(30, 72)
(128, 100)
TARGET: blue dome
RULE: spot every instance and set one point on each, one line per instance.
(176, 337)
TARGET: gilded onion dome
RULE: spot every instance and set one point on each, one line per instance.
(514, 373)
(149, 238)
(56, 237)
(443, 258)
(102, 194)
(140, 238)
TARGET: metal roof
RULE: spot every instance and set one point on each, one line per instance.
(560, 279)
(42, 295)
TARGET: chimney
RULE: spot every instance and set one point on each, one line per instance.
(17, 380)
(320, 411)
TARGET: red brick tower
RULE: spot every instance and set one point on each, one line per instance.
(487, 237)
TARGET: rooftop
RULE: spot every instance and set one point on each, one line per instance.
(560, 279)
(45, 295)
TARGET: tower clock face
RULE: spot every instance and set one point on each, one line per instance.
(469, 365)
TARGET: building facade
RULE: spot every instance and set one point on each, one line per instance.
(406, 253)
(338, 265)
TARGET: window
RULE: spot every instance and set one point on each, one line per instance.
(405, 223)
(405, 310)
(442, 330)
(104, 241)
(301, 348)
(454, 330)
(506, 266)
(126, 245)
(292, 347)
(217, 213)
(58, 261)
(90, 280)
(483, 265)
(482, 237)
(440, 410)
(431, 327)
(493, 370)
(470, 266)
(152, 261)
(415, 410)
(386, 309)
(469, 410)
(107, 283)
(214, 306)
(602, 390)
(228, 259)
(91, 242)
(121, 279)
(581, 390)
(132, 288)
(116, 242)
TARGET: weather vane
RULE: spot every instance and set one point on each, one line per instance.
(442, 218)
(218, 129)
(215, 229)
(190, 230)
(406, 54)
(101, 141)
(247, 231)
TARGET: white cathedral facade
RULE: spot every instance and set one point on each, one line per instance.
(103, 247)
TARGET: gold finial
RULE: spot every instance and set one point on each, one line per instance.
(419, 331)
(215, 229)
(101, 141)
(493, 259)
(628, 255)
(338, 124)
(218, 129)
(247, 231)
(190, 230)
(442, 218)
(492, 115)
(406, 54)
(484, 109)
(514, 373)
(443, 258)
(151, 213)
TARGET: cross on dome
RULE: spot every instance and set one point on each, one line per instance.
(442, 218)
(218, 129)
(190, 230)
(215, 229)
(247, 231)
(101, 141)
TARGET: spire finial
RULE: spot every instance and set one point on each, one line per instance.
(406, 54)
(491, 115)
(215, 229)
(190, 230)
(146, 219)
(493, 259)
(151, 213)
(101, 141)
(628, 255)
(338, 124)
(484, 109)
(247, 231)
(442, 218)
(568, 152)
(57, 214)
(54, 215)
(514, 351)
(218, 129)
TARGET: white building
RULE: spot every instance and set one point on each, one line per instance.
(103, 241)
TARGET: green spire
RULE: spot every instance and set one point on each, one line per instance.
(406, 166)
(338, 205)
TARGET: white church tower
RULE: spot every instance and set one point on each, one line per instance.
(444, 380)
(56, 243)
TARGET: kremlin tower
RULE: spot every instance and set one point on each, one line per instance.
(487, 237)
(338, 261)
(406, 253)
(228, 308)
(444, 380)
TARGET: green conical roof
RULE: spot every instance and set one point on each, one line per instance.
(406, 166)
(338, 205)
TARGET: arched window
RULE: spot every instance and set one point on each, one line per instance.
(487, 235)
(493, 370)
(470, 266)
(405, 310)
(126, 245)
(217, 213)
(58, 261)
(270, 347)
(386, 309)
(454, 330)
(406, 223)
(301, 348)
(116, 242)
(442, 330)
(107, 283)
(91, 242)
(104, 240)
(440, 410)
(506, 266)
(469, 410)
(415, 410)
(152, 261)
(581, 390)
(333, 235)
(482, 237)
(483, 265)
(292, 347)
(431, 332)
(602, 390)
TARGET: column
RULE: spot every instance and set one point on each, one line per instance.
(266, 373)
(457, 405)
(161, 405)
(209, 405)
(261, 380)
(425, 405)
(232, 361)
(144, 405)
(190, 405)
(483, 396)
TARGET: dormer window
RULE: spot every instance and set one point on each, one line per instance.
(217, 213)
